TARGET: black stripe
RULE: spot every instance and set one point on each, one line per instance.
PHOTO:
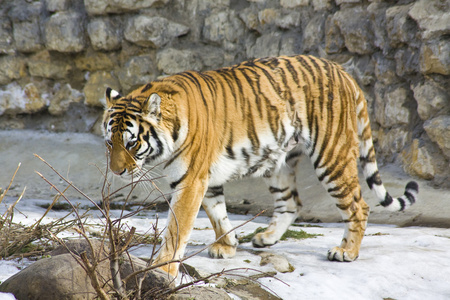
(214, 191)
(174, 184)
(374, 179)
(387, 200)
(146, 87)
(273, 189)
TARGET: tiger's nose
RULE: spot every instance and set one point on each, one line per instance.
(119, 172)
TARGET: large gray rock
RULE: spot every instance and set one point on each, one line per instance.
(172, 61)
(22, 100)
(103, 7)
(11, 68)
(435, 58)
(266, 45)
(390, 108)
(432, 99)
(105, 33)
(400, 28)
(62, 277)
(65, 32)
(223, 28)
(6, 38)
(61, 100)
(152, 32)
(432, 17)
(355, 27)
(48, 65)
(27, 35)
(438, 131)
(138, 71)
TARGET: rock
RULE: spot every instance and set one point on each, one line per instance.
(62, 277)
(438, 131)
(18, 100)
(432, 99)
(407, 61)
(6, 38)
(390, 104)
(95, 61)
(223, 28)
(432, 17)
(153, 32)
(94, 90)
(247, 289)
(334, 41)
(65, 95)
(434, 57)
(362, 69)
(48, 65)
(11, 68)
(400, 28)
(385, 70)
(200, 293)
(105, 33)
(57, 5)
(266, 45)
(293, 3)
(314, 32)
(58, 277)
(172, 61)
(354, 25)
(419, 160)
(392, 141)
(280, 263)
(321, 4)
(250, 18)
(289, 20)
(27, 35)
(138, 71)
(103, 7)
(64, 32)
(377, 14)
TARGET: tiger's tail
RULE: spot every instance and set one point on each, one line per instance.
(369, 165)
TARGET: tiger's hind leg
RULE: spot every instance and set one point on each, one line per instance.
(283, 188)
(345, 189)
(214, 205)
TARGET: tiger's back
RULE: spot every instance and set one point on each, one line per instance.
(254, 119)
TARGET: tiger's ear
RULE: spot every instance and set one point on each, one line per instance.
(152, 106)
(111, 97)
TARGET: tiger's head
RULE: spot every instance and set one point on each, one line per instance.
(133, 131)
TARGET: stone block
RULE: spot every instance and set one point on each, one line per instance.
(266, 45)
(334, 41)
(377, 15)
(65, 32)
(104, 7)
(438, 129)
(172, 61)
(94, 90)
(431, 98)
(105, 33)
(392, 141)
(95, 61)
(223, 27)
(400, 28)
(64, 96)
(435, 58)
(432, 17)
(17, 100)
(293, 3)
(355, 27)
(407, 61)
(57, 5)
(154, 32)
(11, 68)
(419, 160)
(390, 105)
(27, 35)
(6, 37)
(47, 65)
(314, 32)
(385, 70)
(138, 71)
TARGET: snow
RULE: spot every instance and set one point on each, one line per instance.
(399, 263)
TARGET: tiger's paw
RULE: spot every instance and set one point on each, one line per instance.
(341, 254)
(263, 239)
(220, 250)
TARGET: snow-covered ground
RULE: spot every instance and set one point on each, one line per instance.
(398, 263)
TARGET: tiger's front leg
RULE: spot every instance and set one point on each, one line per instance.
(215, 207)
(184, 209)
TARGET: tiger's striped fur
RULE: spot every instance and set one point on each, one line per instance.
(252, 119)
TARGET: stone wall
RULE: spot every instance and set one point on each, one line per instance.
(58, 56)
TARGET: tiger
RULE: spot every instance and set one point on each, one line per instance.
(254, 119)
